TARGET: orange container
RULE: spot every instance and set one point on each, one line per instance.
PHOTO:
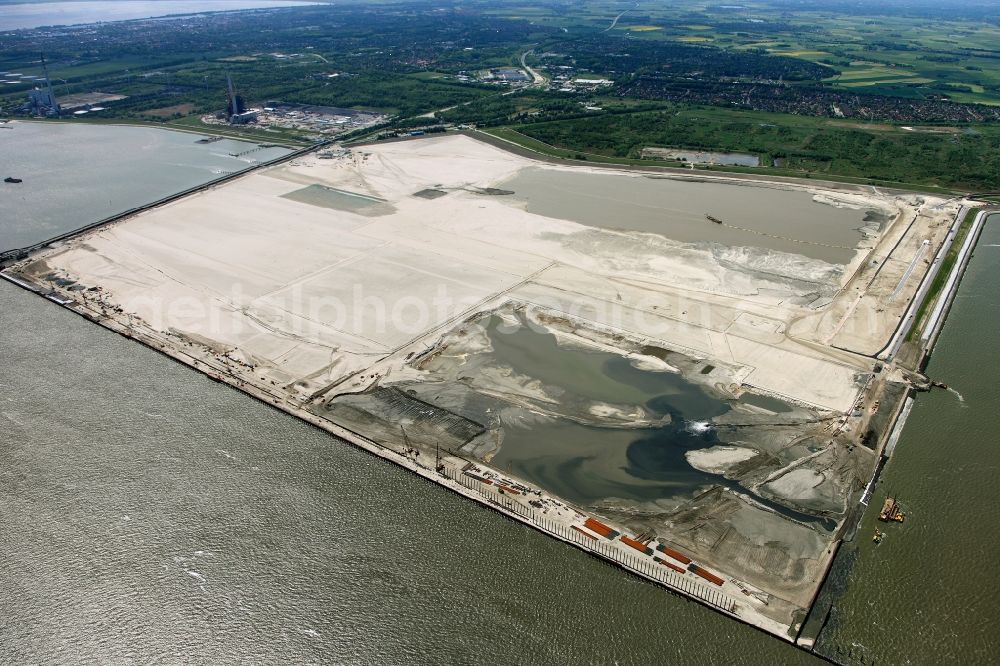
(599, 528)
(668, 564)
(674, 554)
(637, 545)
(707, 575)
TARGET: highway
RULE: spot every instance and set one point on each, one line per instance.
(615, 21)
(536, 78)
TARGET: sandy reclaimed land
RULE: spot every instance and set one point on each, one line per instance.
(303, 302)
(308, 294)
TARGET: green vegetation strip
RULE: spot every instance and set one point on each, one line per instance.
(194, 124)
(514, 136)
(942, 275)
(935, 159)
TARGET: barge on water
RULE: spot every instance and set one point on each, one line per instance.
(891, 511)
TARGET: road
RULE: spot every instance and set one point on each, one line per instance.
(615, 21)
(536, 78)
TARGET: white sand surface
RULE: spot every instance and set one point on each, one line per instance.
(718, 459)
(311, 294)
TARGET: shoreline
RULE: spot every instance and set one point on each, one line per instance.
(221, 131)
(452, 477)
(15, 252)
(717, 171)
(908, 320)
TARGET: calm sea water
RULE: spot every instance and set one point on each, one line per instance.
(149, 514)
(75, 174)
(37, 14)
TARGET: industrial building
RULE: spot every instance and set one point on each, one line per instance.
(41, 100)
(507, 75)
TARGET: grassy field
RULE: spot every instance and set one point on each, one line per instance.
(870, 49)
(281, 136)
(170, 111)
(512, 136)
(941, 159)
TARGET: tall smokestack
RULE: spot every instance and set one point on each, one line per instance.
(231, 106)
(48, 85)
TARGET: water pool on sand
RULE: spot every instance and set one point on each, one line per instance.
(587, 463)
(776, 219)
(330, 197)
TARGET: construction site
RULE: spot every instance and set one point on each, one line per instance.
(690, 375)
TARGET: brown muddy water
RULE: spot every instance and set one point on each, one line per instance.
(925, 594)
(677, 209)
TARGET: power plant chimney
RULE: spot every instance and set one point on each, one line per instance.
(231, 106)
(48, 85)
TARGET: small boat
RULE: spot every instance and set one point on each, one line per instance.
(713, 219)
(939, 385)
(11, 179)
(878, 536)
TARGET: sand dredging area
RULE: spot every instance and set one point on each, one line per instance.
(691, 399)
